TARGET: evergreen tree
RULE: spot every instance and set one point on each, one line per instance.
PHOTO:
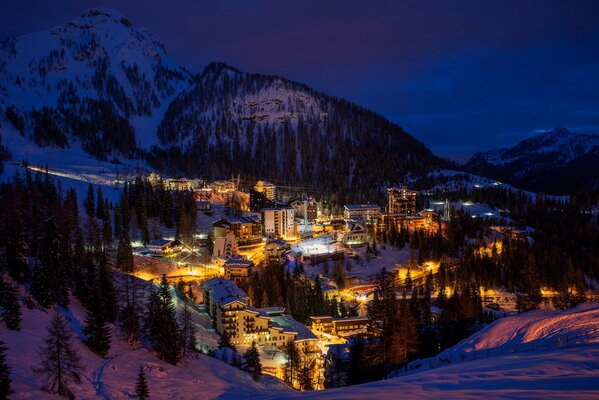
(252, 362)
(225, 341)
(124, 255)
(89, 202)
(60, 361)
(188, 331)
(306, 375)
(96, 328)
(50, 281)
(5, 381)
(107, 292)
(99, 203)
(16, 249)
(292, 364)
(161, 325)
(142, 392)
(357, 370)
(106, 227)
(10, 309)
(528, 294)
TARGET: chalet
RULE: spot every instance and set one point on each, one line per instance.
(355, 235)
(161, 246)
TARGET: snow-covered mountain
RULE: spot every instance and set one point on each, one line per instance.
(100, 84)
(92, 80)
(555, 161)
(282, 130)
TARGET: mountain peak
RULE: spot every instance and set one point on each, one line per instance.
(217, 67)
(103, 14)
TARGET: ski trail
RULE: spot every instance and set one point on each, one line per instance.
(97, 375)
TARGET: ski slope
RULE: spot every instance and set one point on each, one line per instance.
(564, 372)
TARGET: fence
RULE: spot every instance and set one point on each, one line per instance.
(571, 340)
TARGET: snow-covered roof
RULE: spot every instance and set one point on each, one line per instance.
(289, 324)
(160, 242)
(238, 263)
(362, 206)
(225, 292)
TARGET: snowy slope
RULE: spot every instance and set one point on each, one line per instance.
(531, 331)
(114, 377)
(556, 374)
(96, 80)
(97, 55)
(559, 371)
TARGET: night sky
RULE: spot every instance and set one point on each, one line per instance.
(462, 76)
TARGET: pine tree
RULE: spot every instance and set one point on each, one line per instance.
(252, 362)
(10, 309)
(142, 392)
(106, 227)
(306, 375)
(357, 370)
(96, 328)
(188, 331)
(14, 236)
(107, 292)
(528, 295)
(60, 361)
(99, 203)
(89, 202)
(161, 324)
(124, 255)
(50, 281)
(225, 341)
(129, 315)
(292, 364)
(5, 381)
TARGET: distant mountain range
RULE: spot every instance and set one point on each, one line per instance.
(558, 161)
(100, 82)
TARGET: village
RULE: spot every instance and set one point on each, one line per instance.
(240, 233)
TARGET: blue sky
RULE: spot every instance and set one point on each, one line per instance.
(462, 76)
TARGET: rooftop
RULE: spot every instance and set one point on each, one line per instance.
(238, 262)
(224, 291)
(289, 324)
(160, 242)
(361, 206)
